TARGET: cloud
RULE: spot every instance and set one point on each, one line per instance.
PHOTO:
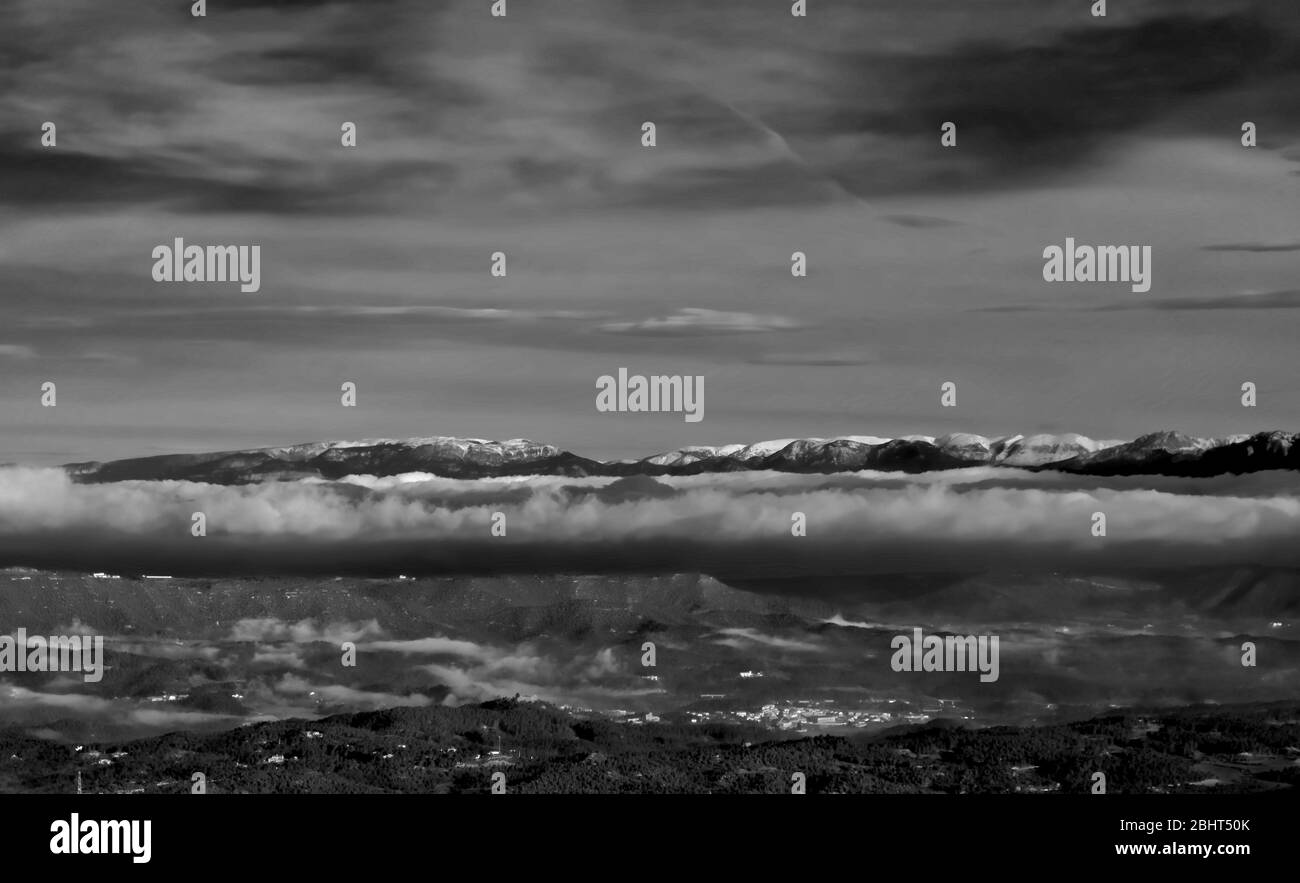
(168, 719)
(279, 657)
(230, 117)
(815, 359)
(1254, 247)
(303, 632)
(716, 523)
(1004, 96)
(160, 649)
(1288, 299)
(839, 620)
(351, 697)
(692, 321)
(920, 222)
(16, 351)
(433, 646)
(278, 679)
(560, 678)
(13, 697)
(740, 637)
(443, 313)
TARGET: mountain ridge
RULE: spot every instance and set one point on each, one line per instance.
(1158, 453)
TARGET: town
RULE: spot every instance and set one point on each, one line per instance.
(807, 715)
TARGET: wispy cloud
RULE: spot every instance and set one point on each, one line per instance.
(921, 222)
(740, 637)
(816, 359)
(1267, 300)
(692, 321)
(1255, 247)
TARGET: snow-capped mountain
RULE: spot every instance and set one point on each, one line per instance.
(1172, 453)
(1040, 450)
(440, 455)
(693, 454)
(1161, 453)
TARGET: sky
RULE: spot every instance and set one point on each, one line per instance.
(523, 135)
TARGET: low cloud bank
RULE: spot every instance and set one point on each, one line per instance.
(855, 523)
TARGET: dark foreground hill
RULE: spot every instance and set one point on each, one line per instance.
(541, 748)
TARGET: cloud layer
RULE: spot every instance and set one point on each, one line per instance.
(734, 523)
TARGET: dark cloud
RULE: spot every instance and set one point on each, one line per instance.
(64, 178)
(1288, 299)
(1028, 111)
(815, 359)
(1255, 247)
(920, 222)
(1016, 308)
(809, 126)
(1268, 300)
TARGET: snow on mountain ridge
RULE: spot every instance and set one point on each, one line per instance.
(756, 450)
(692, 454)
(1040, 449)
(1010, 450)
(461, 445)
(1163, 453)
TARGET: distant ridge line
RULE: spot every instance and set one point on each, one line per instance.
(1158, 453)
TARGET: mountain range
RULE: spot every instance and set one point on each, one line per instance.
(1160, 453)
